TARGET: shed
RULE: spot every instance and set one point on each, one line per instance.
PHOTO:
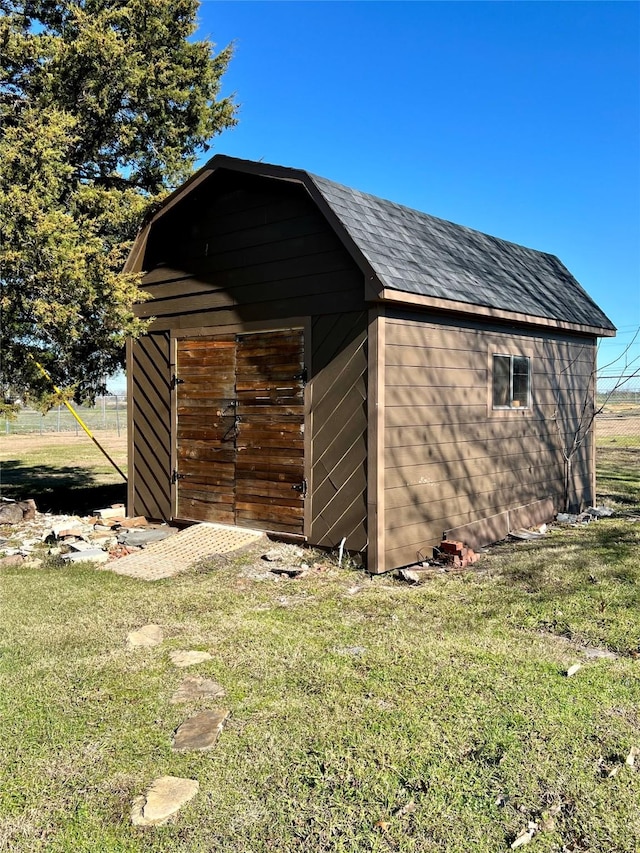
(325, 364)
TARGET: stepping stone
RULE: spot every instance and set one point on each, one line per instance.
(164, 798)
(200, 732)
(196, 687)
(185, 658)
(148, 635)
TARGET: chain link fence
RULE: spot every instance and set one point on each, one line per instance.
(619, 420)
(108, 413)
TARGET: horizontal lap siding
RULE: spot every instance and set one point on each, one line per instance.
(244, 254)
(450, 460)
(151, 420)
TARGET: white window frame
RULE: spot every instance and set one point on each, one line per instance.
(510, 407)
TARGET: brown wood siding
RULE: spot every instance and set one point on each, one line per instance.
(450, 460)
(150, 401)
(257, 250)
(338, 422)
(239, 430)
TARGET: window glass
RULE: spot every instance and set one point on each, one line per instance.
(511, 381)
(520, 394)
(501, 380)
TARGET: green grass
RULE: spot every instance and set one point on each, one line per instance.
(454, 727)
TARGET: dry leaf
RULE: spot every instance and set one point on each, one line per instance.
(382, 825)
(408, 808)
(630, 760)
(573, 669)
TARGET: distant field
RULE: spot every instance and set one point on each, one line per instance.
(63, 472)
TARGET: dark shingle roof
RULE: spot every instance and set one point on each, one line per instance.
(416, 253)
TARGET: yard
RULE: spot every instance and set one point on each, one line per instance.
(366, 714)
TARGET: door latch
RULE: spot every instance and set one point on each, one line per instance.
(301, 487)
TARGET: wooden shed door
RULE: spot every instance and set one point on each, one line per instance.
(240, 424)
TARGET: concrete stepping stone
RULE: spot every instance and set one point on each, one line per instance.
(164, 798)
(199, 732)
(186, 658)
(196, 687)
(148, 635)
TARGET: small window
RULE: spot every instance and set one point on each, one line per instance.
(511, 381)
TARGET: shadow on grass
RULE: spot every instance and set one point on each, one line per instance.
(613, 541)
(59, 489)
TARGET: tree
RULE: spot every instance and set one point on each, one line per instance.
(104, 107)
(574, 429)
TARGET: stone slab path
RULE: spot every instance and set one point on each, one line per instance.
(196, 687)
(200, 732)
(182, 658)
(147, 636)
(164, 798)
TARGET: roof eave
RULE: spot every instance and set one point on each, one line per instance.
(452, 306)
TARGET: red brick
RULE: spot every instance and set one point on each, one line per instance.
(451, 547)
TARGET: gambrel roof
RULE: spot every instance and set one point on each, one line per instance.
(412, 257)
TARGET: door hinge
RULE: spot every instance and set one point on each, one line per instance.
(175, 380)
(301, 487)
(175, 476)
(302, 375)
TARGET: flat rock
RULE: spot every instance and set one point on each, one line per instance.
(10, 513)
(148, 635)
(200, 732)
(145, 537)
(181, 657)
(11, 560)
(196, 687)
(93, 555)
(164, 798)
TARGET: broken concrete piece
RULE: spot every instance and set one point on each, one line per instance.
(196, 687)
(164, 798)
(523, 534)
(200, 732)
(11, 561)
(81, 545)
(409, 575)
(599, 511)
(147, 636)
(117, 511)
(137, 521)
(145, 537)
(181, 657)
(93, 555)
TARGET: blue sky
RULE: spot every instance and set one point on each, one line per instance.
(519, 119)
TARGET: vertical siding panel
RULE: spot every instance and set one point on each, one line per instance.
(150, 442)
(338, 420)
(376, 451)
